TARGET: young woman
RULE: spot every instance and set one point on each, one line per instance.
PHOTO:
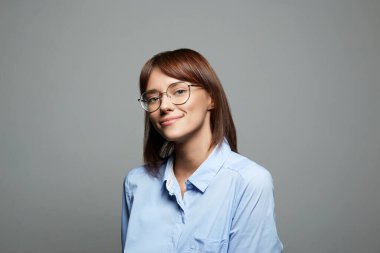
(195, 193)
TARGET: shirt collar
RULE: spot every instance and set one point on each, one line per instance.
(169, 177)
(202, 177)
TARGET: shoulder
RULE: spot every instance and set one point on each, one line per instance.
(135, 175)
(136, 172)
(249, 173)
(138, 177)
(254, 184)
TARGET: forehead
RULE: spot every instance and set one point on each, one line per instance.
(159, 81)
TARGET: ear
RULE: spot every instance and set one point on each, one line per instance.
(210, 103)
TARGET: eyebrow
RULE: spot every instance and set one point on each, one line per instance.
(168, 86)
(151, 90)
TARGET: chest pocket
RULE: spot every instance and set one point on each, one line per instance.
(207, 245)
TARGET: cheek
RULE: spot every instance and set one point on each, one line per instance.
(197, 107)
(153, 120)
(200, 103)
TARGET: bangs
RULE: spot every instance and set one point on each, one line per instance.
(183, 65)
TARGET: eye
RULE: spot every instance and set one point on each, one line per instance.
(180, 92)
(152, 100)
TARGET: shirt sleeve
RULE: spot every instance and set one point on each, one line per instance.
(126, 207)
(253, 227)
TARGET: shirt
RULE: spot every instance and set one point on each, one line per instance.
(228, 206)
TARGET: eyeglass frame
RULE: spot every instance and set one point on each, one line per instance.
(161, 94)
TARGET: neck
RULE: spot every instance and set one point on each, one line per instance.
(190, 155)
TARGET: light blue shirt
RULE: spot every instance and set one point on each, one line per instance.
(228, 206)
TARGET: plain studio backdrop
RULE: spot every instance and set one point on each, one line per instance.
(303, 82)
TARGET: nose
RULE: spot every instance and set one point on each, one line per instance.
(166, 103)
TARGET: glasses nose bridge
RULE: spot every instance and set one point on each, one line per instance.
(169, 99)
(167, 95)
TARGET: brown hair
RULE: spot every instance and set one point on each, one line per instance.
(186, 65)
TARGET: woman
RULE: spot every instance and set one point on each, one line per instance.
(195, 193)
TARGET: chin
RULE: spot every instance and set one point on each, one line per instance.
(173, 136)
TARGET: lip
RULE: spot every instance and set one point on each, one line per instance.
(169, 120)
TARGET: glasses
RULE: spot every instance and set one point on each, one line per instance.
(178, 93)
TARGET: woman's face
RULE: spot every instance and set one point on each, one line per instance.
(180, 123)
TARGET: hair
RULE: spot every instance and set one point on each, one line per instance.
(186, 65)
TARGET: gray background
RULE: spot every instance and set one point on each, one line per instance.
(302, 78)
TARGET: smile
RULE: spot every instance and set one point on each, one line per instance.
(169, 121)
